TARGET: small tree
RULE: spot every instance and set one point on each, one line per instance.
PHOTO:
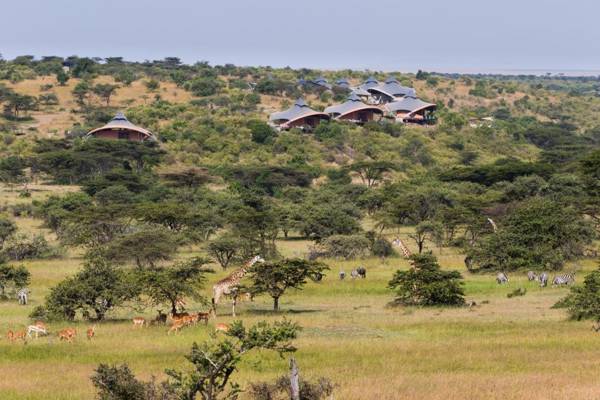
(261, 132)
(146, 247)
(7, 229)
(427, 231)
(98, 287)
(224, 249)
(62, 77)
(275, 278)
(371, 172)
(119, 383)
(169, 284)
(425, 284)
(584, 301)
(13, 278)
(346, 246)
(105, 91)
(214, 362)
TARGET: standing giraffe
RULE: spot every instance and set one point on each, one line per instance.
(226, 286)
(398, 242)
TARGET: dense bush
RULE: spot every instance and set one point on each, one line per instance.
(584, 301)
(346, 246)
(425, 284)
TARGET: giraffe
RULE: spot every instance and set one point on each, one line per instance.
(226, 287)
(398, 242)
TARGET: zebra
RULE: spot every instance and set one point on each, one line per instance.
(354, 274)
(362, 272)
(501, 278)
(532, 276)
(342, 275)
(23, 296)
(563, 279)
(543, 278)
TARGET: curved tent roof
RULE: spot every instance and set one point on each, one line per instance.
(299, 110)
(408, 104)
(354, 103)
(369, 83)
(321, 81)
(120, 122)
(392, 88)
(343, 82)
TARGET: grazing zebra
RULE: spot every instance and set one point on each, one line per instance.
(23, 295)
(501, 278)
(354, 274)
(563, 279)
(342, 275)
(362, 272)
(543, 278)
(532, 276)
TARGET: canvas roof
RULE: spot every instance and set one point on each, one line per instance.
(392, 88)
(343, 82)
(121, 122)
(299, 110)
(352, 104)
(369, 83)
(409, 104)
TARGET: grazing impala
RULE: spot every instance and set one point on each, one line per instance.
(139, 321)
(176, 327)
(21, 335)
(10, 336)
(67, 334)
(203, 316)
(221, 327)
(91, 332)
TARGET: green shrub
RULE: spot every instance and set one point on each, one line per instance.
(425, 284)
(584, 301)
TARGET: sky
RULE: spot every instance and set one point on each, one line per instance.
(400, 35)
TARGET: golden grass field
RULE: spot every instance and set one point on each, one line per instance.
(517, 348)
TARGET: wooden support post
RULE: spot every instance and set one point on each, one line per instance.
(294, 380)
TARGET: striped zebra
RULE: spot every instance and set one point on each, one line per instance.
(563, 279)
(532, 276)
(501, 278)
(543, 278)
(23, 296)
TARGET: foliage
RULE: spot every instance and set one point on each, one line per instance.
(168, 284)
(99, 287)
(320, 389)
(276, 277)
(215, 361)
(426, 284)
(23, 247)
(13, 278)
(223, 249)
(118, 383)
(583, 302)
(346, 246)
(539, 234)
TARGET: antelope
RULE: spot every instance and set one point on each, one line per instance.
(91, 332)
(161, 318)
(10, 336)
(67, 334)
(203, 316)
(176, 327)
(37, 329)
(22, 335)
(221, 327)
(139, 321)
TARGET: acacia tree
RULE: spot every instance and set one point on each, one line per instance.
(13, 277)
(171, 283)
(426, 284)
(214, 362)
(224, 249)
(276, 277)
(105, 91)
(371, 172)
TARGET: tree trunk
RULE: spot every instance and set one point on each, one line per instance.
(294, 380)
(276, 303)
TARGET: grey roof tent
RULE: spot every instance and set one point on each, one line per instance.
(298, 111)
(321, 81)
(369, 83)
(409, 104)
(392, 88)
(343, 82)
(352, 104)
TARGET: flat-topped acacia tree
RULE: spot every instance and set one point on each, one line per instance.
(275, 278)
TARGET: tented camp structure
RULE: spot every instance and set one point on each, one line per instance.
(410, 109)
(120, 128)
(354, 110)
(369, 83)
(300, 115)
(343, 83)
(390, 90)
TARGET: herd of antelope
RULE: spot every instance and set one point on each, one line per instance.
(178, 322)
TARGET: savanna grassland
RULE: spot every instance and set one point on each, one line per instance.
(503, 348)
(507, 179)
